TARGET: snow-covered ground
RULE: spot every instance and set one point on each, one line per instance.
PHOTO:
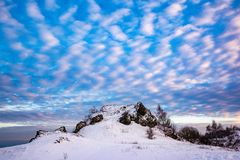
(108, 140)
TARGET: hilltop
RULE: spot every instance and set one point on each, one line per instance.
(105, 134)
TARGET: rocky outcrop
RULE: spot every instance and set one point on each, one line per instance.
(62, 129)
(39, 133)
(92, 120)
(142, 116)
(96, 119)
(141, 109)
(79, 126)
(125, 118)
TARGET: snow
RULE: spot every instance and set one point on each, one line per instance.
(109, 140)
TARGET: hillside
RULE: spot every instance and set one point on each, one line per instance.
(109, 139)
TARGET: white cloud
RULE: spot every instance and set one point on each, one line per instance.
(236, 21)
(115, 17)
(174, 9)
(51, 4)
(196, 1)
(25, 52)
(210, 13)
(34, 12)
(147, 26)
(233, 51)
(233, 29)
(192, 36)
(208, 42)
(99, 46)
(6, 18)
(117, 33)
(47, 36)
(205, 67)
(151, 5)
(80, 30)
(76, 48)
(94, 10)
(117, 51)
(187, 51)
(68, 15)
(153, 88)
(139, 44)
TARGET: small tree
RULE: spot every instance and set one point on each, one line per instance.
(163, 121)
(150, 133)
(215, 130)
(65, 156)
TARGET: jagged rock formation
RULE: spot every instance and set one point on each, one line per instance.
(79, 126)
(92, 120)
(125, 118)
(142, 116)
(96, 119)
(62, 129)
(39, 133)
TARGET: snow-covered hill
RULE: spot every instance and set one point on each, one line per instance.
(108, 140)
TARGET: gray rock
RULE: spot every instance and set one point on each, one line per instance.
(142, 116)
(125, 118)
(96, 119)
(39, 133)
(61, 129)
(79, 126)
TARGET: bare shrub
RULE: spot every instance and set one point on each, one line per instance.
(150, 133)
(190, 134)
(65, 156)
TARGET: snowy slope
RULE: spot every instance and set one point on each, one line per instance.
(108, 140)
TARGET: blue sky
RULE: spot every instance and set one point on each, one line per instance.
(58, 58)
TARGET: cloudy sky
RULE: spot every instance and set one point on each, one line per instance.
(58, 58)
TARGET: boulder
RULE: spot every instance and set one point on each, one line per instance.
(79, 126)
(61, 129)
(96, 119)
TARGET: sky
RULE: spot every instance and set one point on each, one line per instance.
(59, 58)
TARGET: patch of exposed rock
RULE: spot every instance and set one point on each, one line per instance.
(125, 118)
(96, 119)
(79, 126)
(39, 133)
(142, 116)
(62, 129)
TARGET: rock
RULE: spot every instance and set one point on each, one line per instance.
(96, 119)
(144, 116)
(39, 133)
(61, 129)
(140, 108)
(147, 120)
(79, 126)
(125, 118)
